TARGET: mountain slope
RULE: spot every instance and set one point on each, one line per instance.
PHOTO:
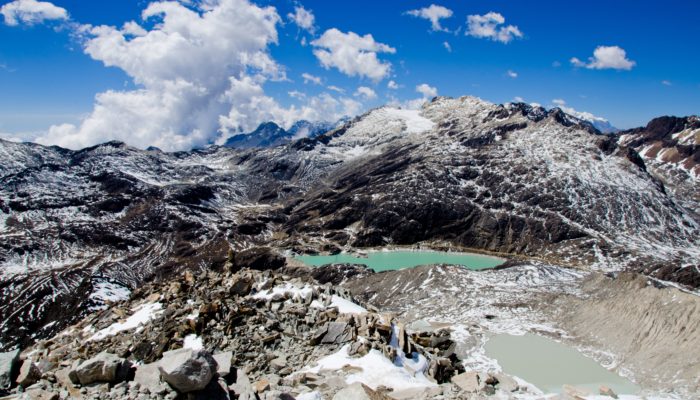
(79, 228)
(513, 179)
(670, 147)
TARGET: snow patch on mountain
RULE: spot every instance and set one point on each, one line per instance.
(142, 314)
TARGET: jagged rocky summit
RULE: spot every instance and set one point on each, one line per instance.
(269, 134)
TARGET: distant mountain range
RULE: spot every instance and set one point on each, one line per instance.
(269, 134)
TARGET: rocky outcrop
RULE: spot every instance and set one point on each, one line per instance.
(263, 340)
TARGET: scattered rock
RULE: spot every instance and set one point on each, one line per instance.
(104, 367)
(359, 391)
(416, 393)
(242, 388)
(606, 391)
(279, 363)
(468, 381)
(241, 285)
(338, 333)
(148, 376)
(223, 363)
(270, 336)
(37, 393)
(187, 370)
(506, 383)
(576, 393)
(261, 385)
(258, 258)
(29, 374)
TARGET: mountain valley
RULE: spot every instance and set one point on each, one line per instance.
(585, 221)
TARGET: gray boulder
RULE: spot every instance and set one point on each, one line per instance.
(104, 367)
(338, 333)
(468, 381)
(148, 376)
(8, 365)
(506, 383)
(29, 374)
(187, 370)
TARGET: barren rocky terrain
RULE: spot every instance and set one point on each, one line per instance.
(601, 235)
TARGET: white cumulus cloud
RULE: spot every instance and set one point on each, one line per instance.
(434, 14)
(606, 57)
(447, 46)
(311, 78)
(303, 18)
(352, 54)
(393, 85)
(335, 88)
(512, 74)
(426, 90)
(366, 92)
(492, 26)
(200, 72)
(31, 12)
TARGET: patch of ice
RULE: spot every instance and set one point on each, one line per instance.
(283, 290)
(346, 306)
(142, 314)
(415, 123)
(376, 370)
(107, 291)
(193, 342)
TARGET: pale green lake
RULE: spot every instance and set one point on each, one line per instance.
(549, 365)
(391, 260)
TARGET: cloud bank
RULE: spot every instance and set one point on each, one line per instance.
(200, 71)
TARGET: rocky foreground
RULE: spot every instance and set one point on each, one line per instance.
(270, 331)
(246, 334)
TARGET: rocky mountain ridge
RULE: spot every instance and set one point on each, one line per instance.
(80, 228)
(269, 134)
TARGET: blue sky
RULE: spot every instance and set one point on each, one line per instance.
(47, 77)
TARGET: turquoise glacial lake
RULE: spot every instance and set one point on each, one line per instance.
(391, 260)
(549, 365)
